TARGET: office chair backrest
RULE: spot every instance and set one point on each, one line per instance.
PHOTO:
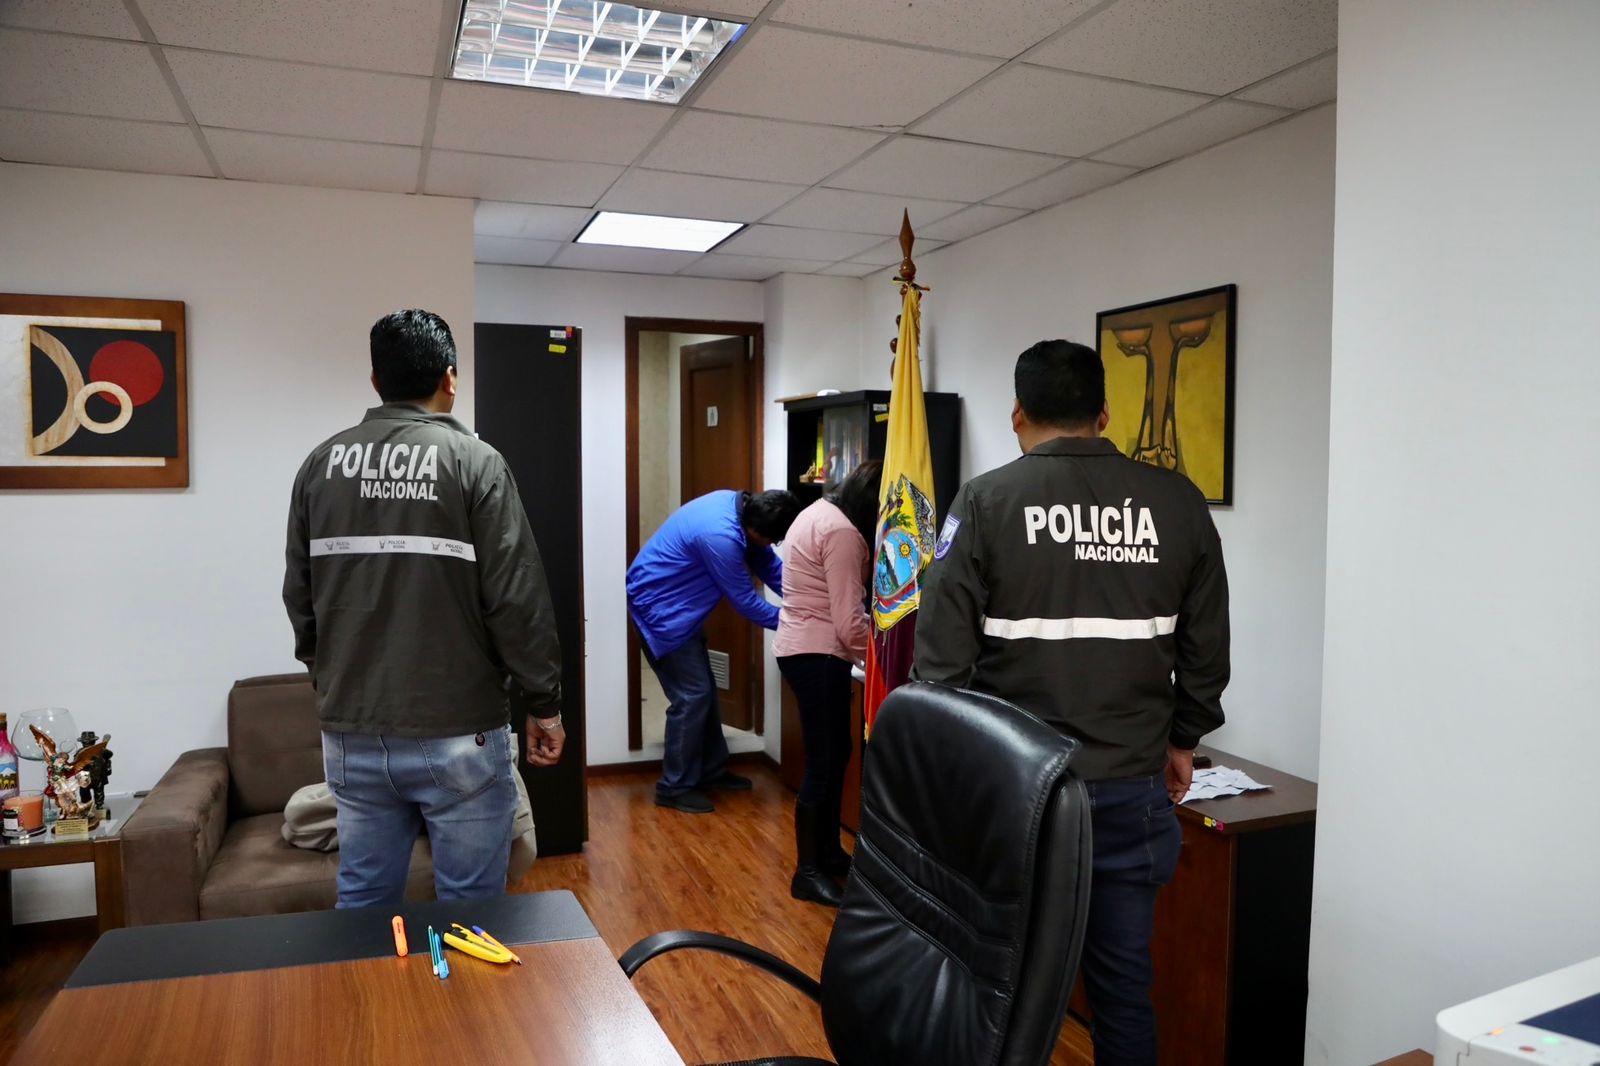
(963, 917)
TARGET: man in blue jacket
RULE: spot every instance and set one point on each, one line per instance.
(706, 551)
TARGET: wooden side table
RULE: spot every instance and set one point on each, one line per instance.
(1233, 929)
(102, 847)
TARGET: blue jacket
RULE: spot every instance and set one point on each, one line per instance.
(695, 559)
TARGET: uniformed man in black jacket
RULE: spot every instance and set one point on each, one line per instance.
(416, 593)
(1089, 589)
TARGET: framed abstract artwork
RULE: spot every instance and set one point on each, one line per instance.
(93, 393)
(1169, 385)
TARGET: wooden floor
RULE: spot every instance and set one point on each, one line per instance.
(645, 870)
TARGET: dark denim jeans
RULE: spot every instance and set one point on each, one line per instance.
(1136, 842)
(696, 751)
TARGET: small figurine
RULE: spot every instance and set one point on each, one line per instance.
(99, 770)
(61, 774)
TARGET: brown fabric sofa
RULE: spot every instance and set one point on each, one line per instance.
(207, 841)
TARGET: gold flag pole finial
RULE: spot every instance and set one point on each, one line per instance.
(908, 269)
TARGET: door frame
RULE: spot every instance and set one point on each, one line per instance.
(633, 327)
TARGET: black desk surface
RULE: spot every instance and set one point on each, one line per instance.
(230, 945)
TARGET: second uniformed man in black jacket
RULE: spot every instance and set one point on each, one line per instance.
(1089, 589)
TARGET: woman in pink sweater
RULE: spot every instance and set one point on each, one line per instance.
(823, 630)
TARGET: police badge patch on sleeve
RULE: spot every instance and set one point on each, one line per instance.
(947, 536)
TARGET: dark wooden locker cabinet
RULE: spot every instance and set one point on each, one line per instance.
(529, 401)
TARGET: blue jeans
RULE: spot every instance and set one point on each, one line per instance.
(696, 751)
(1136, 842)
(387, 788)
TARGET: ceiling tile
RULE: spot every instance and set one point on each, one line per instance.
(96, 18)
(851, 270)
(83, 76)
(545, 124)
(787, 241)
(100, 143)
(942, 170)
(972, 221)
(494, 177)
(749, 267)
(1189, 134)
(514, 251)
(624, 260)
(734, 146)
(814, 77)
(888, 253)
(303, 161)
(1001, 30)
(660, 192)
(529, 221)
(1074, 179)
(1307, 86)
(393, 35)
(272, 97)
(736, 9)
(1211, 46)
(1052, 111)
(860, 212)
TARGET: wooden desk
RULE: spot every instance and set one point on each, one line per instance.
(103, 847)
(568, 1004)
(1233, 930)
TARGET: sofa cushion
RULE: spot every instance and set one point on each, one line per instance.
(258, 872)
(274, 742)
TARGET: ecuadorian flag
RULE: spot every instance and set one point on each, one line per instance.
(907, 525)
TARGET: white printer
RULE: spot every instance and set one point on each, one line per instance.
(1553, 1020)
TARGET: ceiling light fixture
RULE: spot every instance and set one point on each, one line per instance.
(588, 46)
(657, 231)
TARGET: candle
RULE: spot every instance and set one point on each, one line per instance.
(30, 810)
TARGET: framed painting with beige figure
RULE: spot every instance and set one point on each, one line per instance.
(1169, 385)
(93, 393)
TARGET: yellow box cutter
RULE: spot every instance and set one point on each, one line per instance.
(473, 944)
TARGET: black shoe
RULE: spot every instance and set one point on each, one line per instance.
(727, 781)
(690, 802)
(813, 886)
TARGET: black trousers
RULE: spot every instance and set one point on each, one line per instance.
(821, 687)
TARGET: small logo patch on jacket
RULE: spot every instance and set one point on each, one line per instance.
(947, 536)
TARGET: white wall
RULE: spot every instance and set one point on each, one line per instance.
(1457, 840)
(138, 609)
(598, 303)
(813, 343)
(1257, 212)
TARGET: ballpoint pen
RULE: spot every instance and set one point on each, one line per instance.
(490, 938)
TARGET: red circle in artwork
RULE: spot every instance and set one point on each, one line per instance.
(133, 366)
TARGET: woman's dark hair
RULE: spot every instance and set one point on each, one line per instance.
(771, 513)
(411, 351)
(857, 496)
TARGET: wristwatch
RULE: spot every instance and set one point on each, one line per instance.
(546, 724)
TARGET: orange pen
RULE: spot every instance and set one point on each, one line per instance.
(399, 936)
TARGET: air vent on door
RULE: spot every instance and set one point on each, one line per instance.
(719, 667)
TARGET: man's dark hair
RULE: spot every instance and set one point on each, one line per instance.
(1062, 384)
(771, 513)
(857, 497)
(411, 351)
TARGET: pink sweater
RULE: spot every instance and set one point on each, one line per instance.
(824, 582)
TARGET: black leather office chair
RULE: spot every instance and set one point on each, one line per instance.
(963, 917)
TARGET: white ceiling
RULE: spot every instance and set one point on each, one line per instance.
(817, 127)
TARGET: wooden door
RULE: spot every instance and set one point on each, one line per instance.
(527, 390)
(718, 449)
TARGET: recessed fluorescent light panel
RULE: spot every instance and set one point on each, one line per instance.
(586, 46)
(657, 231)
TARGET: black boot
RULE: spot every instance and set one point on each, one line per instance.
(809, 882)
(834, 860)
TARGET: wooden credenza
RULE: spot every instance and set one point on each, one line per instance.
(1233, 929)
(792, 762)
